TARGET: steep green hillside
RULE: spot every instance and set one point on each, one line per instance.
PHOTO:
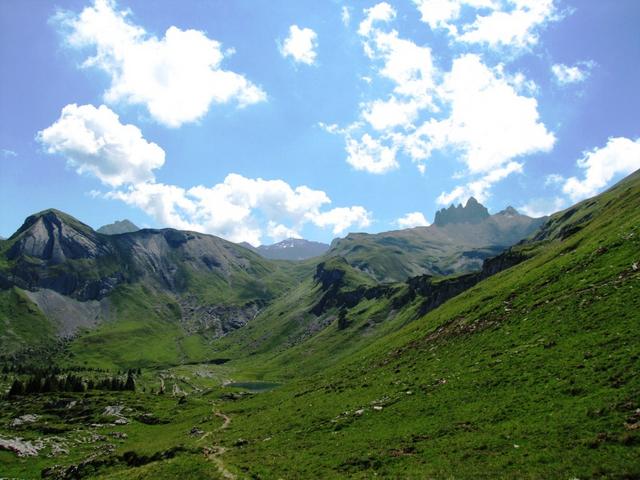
(533, 373)
(22, 323)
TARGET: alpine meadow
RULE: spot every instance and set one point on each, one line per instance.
(317, 240)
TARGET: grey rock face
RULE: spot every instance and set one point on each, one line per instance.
(472, 212)
(67, 314)
(49, 237)
(217, 320)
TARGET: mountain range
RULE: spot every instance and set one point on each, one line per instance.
(74, 274)
(458, 241)
(482, 346)
(291, 249)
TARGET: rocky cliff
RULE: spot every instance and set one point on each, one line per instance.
(472, 212)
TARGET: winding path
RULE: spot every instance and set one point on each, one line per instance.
(214, 452)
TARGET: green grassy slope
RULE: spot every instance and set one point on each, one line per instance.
(533, 373)
(22, 323)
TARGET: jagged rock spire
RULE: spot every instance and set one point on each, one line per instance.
(472, 212)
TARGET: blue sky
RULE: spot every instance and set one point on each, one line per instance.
(259, 120)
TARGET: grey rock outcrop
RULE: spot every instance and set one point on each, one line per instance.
(472, 212)
(51, 236)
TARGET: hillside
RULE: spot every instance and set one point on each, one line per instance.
(459, 240)
(532, 373)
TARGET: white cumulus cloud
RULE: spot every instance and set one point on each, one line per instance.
(516, 25)
(342, 218)
(512, 24)
(381, 12)
(393, 112)
(490, 123)
(278, 232)
(411, 220)
(301, 45)
(479, 187)
(441, 13)
(540, 207)
(95, 142)
(239, 207)
(177, 77)
(371, 155)
(566, 75)
(620, 156)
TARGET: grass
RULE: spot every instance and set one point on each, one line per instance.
(144, 332)
(21, 322)
(533, 373)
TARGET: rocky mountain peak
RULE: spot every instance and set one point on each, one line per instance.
(54, 236)
(472, 212)
(118, 227)
(509, 212)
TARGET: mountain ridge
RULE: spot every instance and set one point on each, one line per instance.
(118, 227)
(472, 212)
(455, 246)
(293, 249)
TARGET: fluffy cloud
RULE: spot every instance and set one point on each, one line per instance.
(620, 156)
(565, 75)
(484, 115)
(390, 113)
(406, 64)
(95, 142)
(236, 208)
(440, 13)
(177, 78)
(540, 207)
(513, 24)
(278, 232)
(381, 12)
(489, 122)
(370, 155)
(480, 186)
(342, 218)
(410, 70)
(300, 45)
(411, 220)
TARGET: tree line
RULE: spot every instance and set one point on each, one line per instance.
(54, 382)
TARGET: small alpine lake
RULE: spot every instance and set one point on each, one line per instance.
(254, 386)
